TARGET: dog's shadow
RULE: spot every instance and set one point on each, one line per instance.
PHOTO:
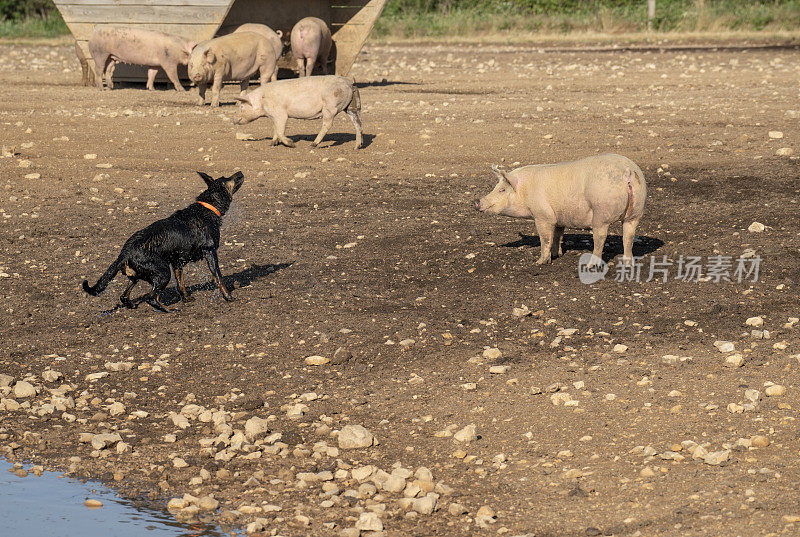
(643, 245)
(243, 278)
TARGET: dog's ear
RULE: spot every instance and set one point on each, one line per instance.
(207, 178)
(234, 182)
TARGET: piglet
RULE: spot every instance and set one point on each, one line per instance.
(302, 98)
(311, 43)
(235, 56)
(593, 192)
(109, 45)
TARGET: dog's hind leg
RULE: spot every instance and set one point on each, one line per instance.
(181, 286)
(213, 267)
(161, 277)
(125, 296)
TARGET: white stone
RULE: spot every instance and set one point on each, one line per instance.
(354, 437)
(466, 435)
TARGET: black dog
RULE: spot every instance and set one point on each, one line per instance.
(185, 237)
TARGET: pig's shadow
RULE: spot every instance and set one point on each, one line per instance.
(338, 138)
(643, 245)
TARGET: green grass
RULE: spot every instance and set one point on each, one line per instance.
(470, 18)
(33, 27)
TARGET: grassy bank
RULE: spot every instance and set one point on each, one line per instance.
(34, 27)
(540, 20)
(471, 18)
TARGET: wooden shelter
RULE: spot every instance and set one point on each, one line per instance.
(350, 21)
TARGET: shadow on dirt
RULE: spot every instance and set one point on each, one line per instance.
(643, 245)
(243, 278)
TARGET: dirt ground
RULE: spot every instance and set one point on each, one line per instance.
(343, 254)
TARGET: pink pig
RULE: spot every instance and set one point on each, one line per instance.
(311, 43)
(110, 45)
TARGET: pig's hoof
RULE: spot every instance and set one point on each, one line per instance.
(275, 141)
(543, 261)
(288, 143)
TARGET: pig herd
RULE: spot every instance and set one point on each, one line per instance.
(591, 193)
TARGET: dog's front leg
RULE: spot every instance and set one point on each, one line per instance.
(213, 267)
(181, 286)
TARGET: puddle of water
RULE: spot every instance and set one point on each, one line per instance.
(51, 505)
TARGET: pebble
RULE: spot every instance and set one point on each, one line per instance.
(499, 369)
(734, 360)
(456, 509)
(775, 135)
(775, 390)
(781, 152)
(255, 428)
(90, 156)
(178, 462)
(715, 458)
(369, 521)
(317, 360)
(355, 437)
(93, 504)
(427, 504)
(754, 321)
(51, 376)
(466, 435)
(492, 353)
(756, 227)
(620, 348)
(724, 346)
(23, 389)
(759, 441)
(244, 136)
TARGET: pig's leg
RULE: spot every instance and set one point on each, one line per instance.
(556, 250)
(355, 117)
(100, 64)
(545, 230)
(599, 234)
(628, 234)
(301, 68)
(201, 93)
(327, 121)
(274, 76)
(151, 78)
(216, 87)
(310, 65)
(243, 85)
(110, 74)
(172, 74)
(279, 134)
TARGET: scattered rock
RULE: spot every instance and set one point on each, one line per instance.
(466, 435)
(756, 227)
(317, 360)
(369, 521)
(724, 346)
(23, 389)
(354, 437)
(93, 504)
(716, 458)
(775, 390)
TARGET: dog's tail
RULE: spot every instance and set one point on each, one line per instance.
(106, 278)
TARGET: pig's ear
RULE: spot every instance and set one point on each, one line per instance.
(188, 47)
(241, 99)
(210, 57)
(280, 34)
(207, 178)
(503, 176)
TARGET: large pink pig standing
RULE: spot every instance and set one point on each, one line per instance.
(592, 192)
(109, 45)
(272, 36)
(235, 56)
(311, 43)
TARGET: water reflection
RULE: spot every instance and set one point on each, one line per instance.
(53, 505)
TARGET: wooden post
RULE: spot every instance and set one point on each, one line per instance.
(651, 14)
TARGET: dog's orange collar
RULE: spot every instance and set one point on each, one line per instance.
(210, 208)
